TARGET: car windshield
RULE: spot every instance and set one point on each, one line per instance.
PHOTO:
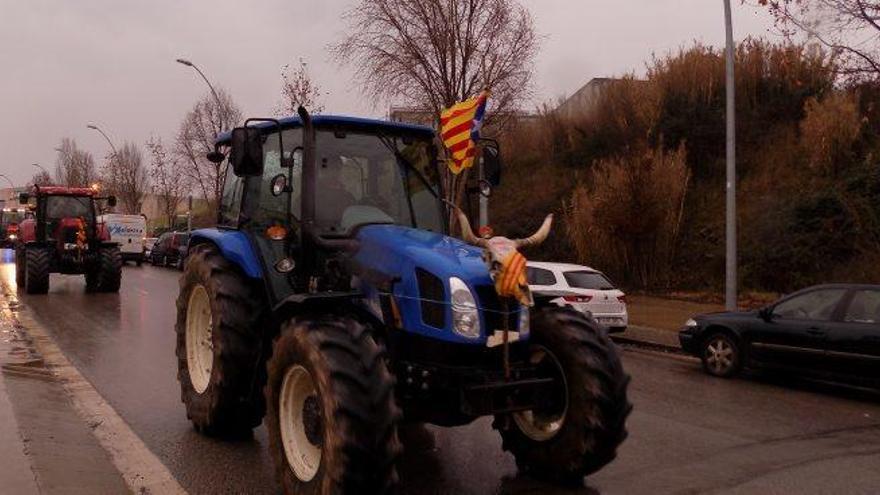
(588, 280)
(374, 179)
(58, 207)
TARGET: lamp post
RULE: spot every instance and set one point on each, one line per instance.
(112, 147)
(11, 184)
(187, 63)
(41, 168)
(730, 231)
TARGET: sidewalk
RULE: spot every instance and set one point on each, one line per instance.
(45, 445)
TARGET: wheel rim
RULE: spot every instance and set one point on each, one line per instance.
(719, 355)
(299, 417)
(541, 426)
(199, 343)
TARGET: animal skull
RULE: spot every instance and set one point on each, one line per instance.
(507, 266)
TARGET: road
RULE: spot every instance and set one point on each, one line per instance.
(689, 433)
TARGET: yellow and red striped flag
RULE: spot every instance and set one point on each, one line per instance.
(460, 130)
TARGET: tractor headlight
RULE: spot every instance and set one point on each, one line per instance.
(465, 316)
(523, 320)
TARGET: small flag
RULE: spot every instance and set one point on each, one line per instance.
(460, 130)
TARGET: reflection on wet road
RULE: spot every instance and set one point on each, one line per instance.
(688, 431)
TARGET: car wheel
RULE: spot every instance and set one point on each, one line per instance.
(721, 355)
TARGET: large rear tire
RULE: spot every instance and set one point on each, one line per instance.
(36, 272)
(107, 275)
(331, 417)
(580, 430)
(219, 346)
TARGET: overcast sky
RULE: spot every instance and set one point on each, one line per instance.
(64, 64)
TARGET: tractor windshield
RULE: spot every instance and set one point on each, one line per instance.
(11, 216)
(58, 207)
(374, 179)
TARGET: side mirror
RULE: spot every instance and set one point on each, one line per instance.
(766, 313)
(23, 198)
(215, 156)
(492, 163)
(111, 201)
(247, 151)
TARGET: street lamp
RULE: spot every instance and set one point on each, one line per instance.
(8, 180)
(41, 168)
(187, 63)
(730, 231)
(96, 128)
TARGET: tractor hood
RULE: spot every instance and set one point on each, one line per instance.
(416, 265)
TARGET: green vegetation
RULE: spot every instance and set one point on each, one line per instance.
(637, 179)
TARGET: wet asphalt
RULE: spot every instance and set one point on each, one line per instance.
(689, 433)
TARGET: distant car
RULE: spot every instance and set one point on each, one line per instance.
(581, 288)
(170, 249)
(149, 242)
(829, 331)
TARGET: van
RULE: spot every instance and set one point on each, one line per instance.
(129, 231)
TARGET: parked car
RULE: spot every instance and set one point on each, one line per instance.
(170, 249)
(829, 331)
(581, 288)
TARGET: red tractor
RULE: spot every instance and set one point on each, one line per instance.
(63, 236)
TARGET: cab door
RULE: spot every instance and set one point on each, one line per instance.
(267, 200)
(854, 341)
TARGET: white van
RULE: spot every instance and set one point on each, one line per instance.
(129, 232)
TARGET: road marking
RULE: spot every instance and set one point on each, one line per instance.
(142, 471)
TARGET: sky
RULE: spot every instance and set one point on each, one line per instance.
(66, 64)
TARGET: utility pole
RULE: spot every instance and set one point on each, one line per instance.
(730, 250)
(189, 214)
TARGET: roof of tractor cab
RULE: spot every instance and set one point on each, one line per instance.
(338, 120)
(64, 191)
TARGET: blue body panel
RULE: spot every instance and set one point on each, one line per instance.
(329, 120)
(397, 251)
(235, 247)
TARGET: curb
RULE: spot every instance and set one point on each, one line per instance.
(644, 344)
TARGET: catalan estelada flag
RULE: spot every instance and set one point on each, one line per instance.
(460, 129)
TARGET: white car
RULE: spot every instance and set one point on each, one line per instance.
(581, 288)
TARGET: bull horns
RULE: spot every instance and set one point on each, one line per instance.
(539, 236)
(466, 233)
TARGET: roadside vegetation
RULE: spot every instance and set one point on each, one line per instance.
(637, 177)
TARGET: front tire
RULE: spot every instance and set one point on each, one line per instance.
(331, 417)
(579, 431)
(36, 278)
(721, 355)
(219, 347)
(107, 274)
(19, 266)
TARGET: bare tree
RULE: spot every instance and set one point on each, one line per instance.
(851, 28)
(74, 167)
(297, 88)
(434, 53)
(41, 178)
(169, 182)
(126, 176)
(195, 139)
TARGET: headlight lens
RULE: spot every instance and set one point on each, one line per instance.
(465, 317)
(523, 320)
(691, 323)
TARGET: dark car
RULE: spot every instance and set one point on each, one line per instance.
(170, 249)
(828, 331)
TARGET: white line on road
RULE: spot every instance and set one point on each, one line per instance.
(142, 470)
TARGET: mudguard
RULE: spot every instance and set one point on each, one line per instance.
(235, 247)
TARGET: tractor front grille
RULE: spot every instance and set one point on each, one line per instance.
(493, 309)
(432, 294)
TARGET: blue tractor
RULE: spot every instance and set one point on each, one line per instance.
(331, 303)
